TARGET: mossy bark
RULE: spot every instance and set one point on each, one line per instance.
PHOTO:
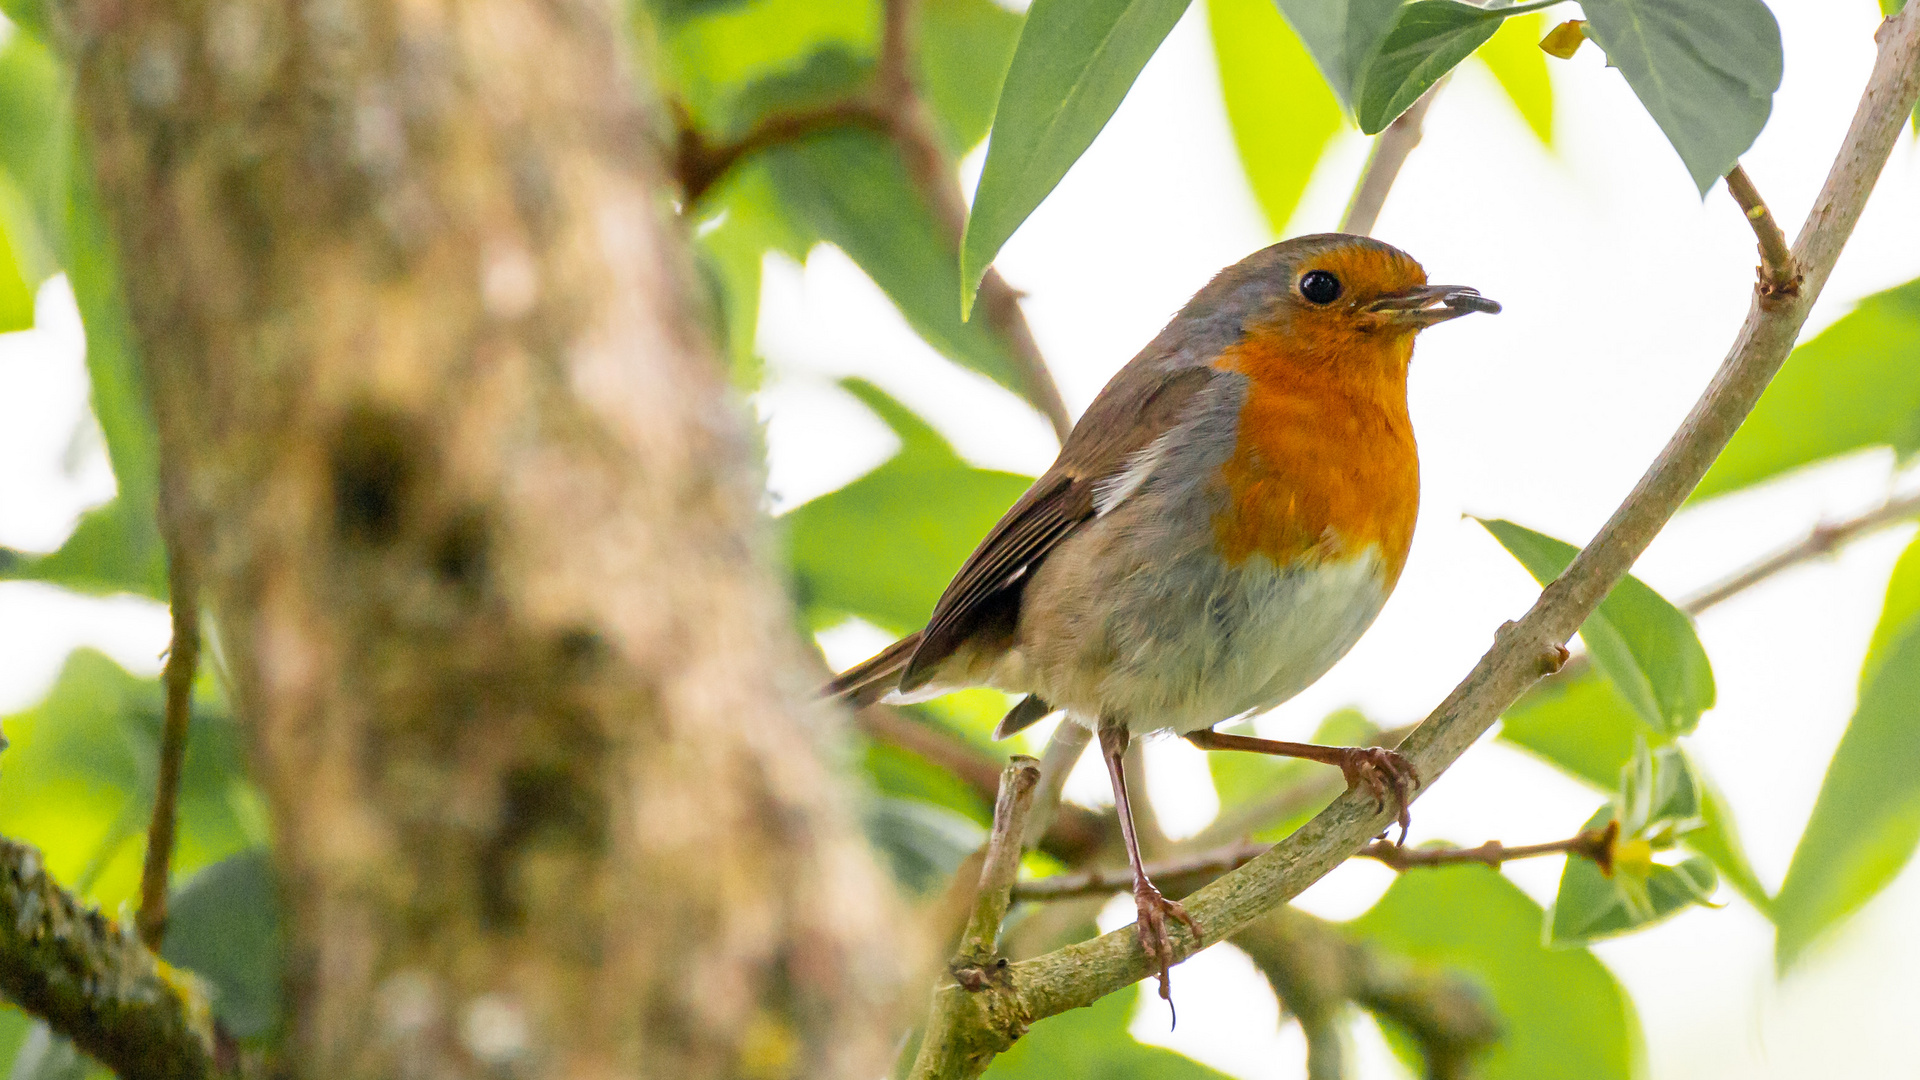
(481, 535)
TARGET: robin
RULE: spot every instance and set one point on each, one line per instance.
(1220, 527)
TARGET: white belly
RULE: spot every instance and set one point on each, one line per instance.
(1186, 646)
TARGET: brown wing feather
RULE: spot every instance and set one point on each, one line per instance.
(1136, 407)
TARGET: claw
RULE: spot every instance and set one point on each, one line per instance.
(1384, 774)
(1153, 910)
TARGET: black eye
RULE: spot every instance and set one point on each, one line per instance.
(1319, 287)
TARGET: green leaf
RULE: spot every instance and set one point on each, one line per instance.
(850, 188)
(1855, 385)
(1636, 638)
(746, 221)
(1094, 1044)
(78, 778)
(1866, 820)
(965, 48)
(1075, 62)
(1656, 788)
(1426, 41)
(1282, 114)
(1583, 727)
(1342, 36)
(1563, 1013)
(884, 547)
(1897, 612)
(1706, 71)
(923, 844)
(116, 548)
(16, 297)
(731, 65)
(1514, 56)
(34, 123)
(225, 926)
(1592, 905)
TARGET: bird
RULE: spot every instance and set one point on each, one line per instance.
(1221, 525)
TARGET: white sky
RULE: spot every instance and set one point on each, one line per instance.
(1622, 292)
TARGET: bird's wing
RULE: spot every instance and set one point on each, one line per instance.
(1093, 474)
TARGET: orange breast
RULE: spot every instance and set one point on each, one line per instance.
(1325, 465)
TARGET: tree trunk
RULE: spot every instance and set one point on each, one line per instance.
(443, 431)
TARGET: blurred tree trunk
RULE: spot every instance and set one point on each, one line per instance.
(480, 531)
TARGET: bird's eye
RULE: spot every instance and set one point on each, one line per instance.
(1319, 287)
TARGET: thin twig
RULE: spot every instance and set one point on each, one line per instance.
(1002, 862)
(1179, 876)
(1822, 540)
(977, 1026)
(1389, 153)
(1063, 752)
(95, 984)
(1777, 274)
(1595, 845)
(699, 164)
(1175, 877)
(977, 965)
(183, 661)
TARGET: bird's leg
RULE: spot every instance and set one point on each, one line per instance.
(1384, 773)
(1152, 907)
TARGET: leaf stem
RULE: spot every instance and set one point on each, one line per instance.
(1389, 153)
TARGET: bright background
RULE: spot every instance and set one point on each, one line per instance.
(1622, 293)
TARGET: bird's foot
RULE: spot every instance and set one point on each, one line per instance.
(1385, 775)
(1153, 910)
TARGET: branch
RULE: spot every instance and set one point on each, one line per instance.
(1175, 877)
(975, 965)
(93, 982)
(698, 164)
(1777, 274)
(1595, 845)
(1314, 968)
(1064, 748)
(1389, 153)
(1179, 876)
(183, 659)
(1822, 540)
(1002, 862)
(1081, 974)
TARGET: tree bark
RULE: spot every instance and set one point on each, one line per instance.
(441, 426)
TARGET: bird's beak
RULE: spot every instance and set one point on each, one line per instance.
(1425, 305)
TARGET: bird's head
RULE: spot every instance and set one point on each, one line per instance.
(1331, 299)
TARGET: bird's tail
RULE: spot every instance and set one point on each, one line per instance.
(869, 681)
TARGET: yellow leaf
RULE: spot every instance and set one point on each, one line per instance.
(1564, 40)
